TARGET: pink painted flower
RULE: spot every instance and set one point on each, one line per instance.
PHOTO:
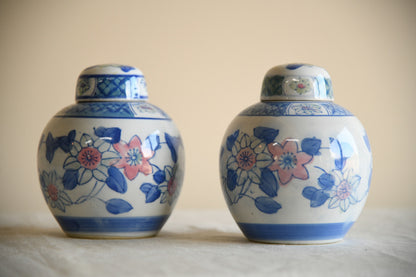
(134, 157)
(288, 161)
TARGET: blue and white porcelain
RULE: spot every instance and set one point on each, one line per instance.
(295, 168)
(111, 165)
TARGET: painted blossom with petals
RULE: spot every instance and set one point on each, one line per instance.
(343, 193)
(53, 191)
(248, 158)
(91, 158)
(289, 161)
(134, 157)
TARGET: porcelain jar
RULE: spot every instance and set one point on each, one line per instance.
(295, 168)
(111, 165)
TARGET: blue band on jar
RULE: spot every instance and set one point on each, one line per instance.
(111, 82)
(109, 224)
(295, 232)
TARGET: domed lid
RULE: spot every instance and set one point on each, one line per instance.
(111, 82)
(297, 82)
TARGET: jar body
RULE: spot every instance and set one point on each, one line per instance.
(295, 172)
(111, 169)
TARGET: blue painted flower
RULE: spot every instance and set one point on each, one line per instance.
(53, 191)
(247, 159)
(91, 158)
(342, 195)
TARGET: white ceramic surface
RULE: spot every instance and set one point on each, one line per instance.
(111, 166)
(295, 168)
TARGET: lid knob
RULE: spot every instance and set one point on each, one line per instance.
(297, 82)
(111, 82)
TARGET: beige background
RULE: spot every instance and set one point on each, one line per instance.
(204, 62)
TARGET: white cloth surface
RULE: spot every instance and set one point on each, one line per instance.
(208, 243)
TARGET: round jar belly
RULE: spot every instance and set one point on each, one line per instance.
(306, 169)
(111, 166)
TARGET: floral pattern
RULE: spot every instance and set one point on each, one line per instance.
(53, 191)
(103, 160)
(91, 158)
(342, 195)
(134, 158)
(248, 158)
(289, 161)
(339, 186)
(255, 165)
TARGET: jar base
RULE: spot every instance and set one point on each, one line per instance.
(111, 227)
(110, 236)
(320, 233)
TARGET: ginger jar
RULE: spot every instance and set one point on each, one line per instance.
(295, 168)
(111, 165)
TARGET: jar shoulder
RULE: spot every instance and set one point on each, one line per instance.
(295, 108)
(113, 109)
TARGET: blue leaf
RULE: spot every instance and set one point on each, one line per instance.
(268, 183)
(231, 179)
(116, 180)
(231, 140)
(308, 192)
(146, 187)
(111, 135)
(341, 152)
(265, 134)
(159, 176)
(65, 142)
(311, 146)
(117, 206)
(170, 143)
(164, 197)
(152, 142)
(319, 198)
(267, 205)
(70, 179)
(152, 192)
(293, 66)
(326, 181)
(51, 146)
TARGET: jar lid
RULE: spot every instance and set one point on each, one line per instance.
(297, 82)
(111, 82)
